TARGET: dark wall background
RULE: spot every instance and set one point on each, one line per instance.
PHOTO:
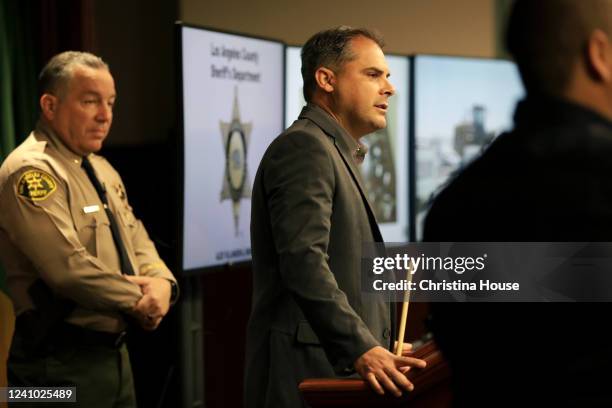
(136, 38)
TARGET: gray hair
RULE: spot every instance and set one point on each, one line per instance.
(59, 70)
(330, 48)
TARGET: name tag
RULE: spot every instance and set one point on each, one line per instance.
(91, 209)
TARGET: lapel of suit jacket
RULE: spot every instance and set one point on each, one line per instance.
(344, 143)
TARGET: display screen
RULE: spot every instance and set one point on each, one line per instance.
(232, 89)
(385, 168)
(461, 105)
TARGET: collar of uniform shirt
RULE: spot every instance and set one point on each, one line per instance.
(54, 139)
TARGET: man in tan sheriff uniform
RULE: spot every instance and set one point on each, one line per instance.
(79, 265)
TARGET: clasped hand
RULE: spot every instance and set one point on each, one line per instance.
(154, 303)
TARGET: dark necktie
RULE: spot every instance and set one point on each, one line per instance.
(126, 266)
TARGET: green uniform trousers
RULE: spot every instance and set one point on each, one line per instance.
(101, 374)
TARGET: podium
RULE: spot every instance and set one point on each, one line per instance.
(431, 387)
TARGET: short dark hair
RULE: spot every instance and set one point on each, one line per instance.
(59, 69)
(547, 37)
(330, 48)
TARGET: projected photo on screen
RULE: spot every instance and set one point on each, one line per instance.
(385, 168)
(461, 105)
(232, 109)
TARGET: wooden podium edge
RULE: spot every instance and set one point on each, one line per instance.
(321, 392)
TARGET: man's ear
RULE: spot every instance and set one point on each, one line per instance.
(599, 56)
(48, 105)
(326, 79)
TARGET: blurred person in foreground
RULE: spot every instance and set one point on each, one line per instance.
(548, 180)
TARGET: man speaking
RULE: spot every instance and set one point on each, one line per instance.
(310, 217)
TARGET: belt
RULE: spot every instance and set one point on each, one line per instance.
(67, 333)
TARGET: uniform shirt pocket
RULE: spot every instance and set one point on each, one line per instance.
(93, 230)
(85, 226)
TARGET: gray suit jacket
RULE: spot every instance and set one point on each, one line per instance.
(309, 219)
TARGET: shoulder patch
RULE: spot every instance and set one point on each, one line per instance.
(36, 185)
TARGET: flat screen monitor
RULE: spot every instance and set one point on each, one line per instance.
(460, 106)
(232, 108)
(385, 168)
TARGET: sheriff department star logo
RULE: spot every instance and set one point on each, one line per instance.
(236, 136)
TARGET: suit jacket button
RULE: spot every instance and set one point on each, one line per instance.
(386, 333)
